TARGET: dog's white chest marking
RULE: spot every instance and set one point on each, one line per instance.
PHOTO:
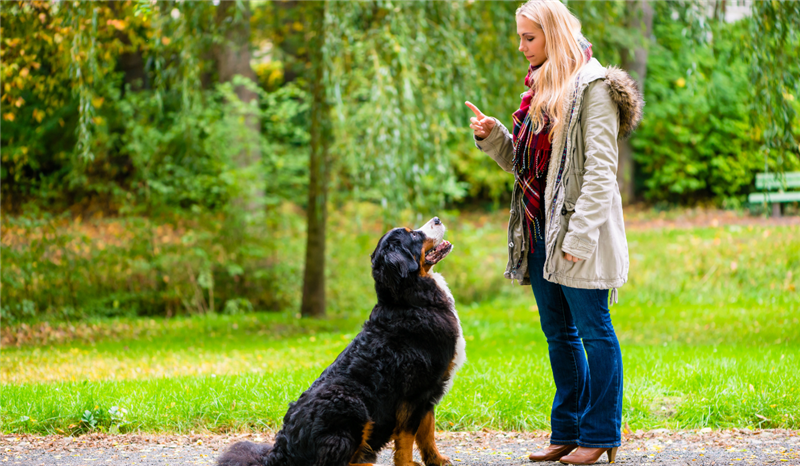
(461, 344)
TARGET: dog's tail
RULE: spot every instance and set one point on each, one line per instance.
(246, 454)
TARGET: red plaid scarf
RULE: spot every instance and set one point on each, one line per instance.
(532, 155)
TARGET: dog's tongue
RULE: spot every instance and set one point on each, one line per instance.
(439, 252)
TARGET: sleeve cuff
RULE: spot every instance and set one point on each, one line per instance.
(489, 141)
(577, 248)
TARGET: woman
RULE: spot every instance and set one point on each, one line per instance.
(566, 236)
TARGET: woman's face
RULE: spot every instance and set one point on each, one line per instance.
(531, 40)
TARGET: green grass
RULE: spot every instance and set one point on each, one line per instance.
(705, 343)
(202, 374)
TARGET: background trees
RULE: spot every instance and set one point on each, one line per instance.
(233, 110)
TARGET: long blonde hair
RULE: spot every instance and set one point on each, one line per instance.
(564, 59)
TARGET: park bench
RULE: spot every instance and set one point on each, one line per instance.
(767, 182)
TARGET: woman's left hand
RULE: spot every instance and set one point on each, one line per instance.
(570, 257)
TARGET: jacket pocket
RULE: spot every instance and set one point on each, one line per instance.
(572, 188)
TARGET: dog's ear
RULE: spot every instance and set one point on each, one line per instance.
(392, 264)
(380, 243)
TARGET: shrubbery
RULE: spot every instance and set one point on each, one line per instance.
(63, 269)
(696, 142)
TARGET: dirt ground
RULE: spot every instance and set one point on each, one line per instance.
(643, 218)
(696, 447)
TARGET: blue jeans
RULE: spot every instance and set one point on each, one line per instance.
(587, 408)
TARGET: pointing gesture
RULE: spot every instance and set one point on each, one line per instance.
(481, 124)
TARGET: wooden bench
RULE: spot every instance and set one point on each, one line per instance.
(778, 183)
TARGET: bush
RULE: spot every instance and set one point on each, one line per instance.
(696, 141)
(58, 269)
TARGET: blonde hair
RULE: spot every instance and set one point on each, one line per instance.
(564, 59)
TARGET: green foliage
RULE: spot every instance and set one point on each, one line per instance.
(774, 57)
(696, 141)
(394, 92)
(45, 73)
(55, 269)
(117, 266)
(84, 128)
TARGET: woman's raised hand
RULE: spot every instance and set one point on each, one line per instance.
(481, 124)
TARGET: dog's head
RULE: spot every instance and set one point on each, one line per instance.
(404, 254)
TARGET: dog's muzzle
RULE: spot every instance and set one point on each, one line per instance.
(435, 229)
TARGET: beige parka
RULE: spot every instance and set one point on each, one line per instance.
(583, 207)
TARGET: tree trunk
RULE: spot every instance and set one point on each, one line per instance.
(719, 10)
(233, 58)
(640, 17)
(314, 275)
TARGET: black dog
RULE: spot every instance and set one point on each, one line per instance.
(385, 384)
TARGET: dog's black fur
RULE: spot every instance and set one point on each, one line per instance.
(385, 383)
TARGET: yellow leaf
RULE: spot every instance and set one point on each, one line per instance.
(117, 23)
(165, 40)
(38, 115)
(680, 82)
(24, 72)
(8, 116)
(297, 26)
(98, 102)
(20, 102)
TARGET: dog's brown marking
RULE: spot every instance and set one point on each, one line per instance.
(427, 443)
(449, 372)
(402, 415)
(404, 449)
(424, 266)
(364, 447)
(403, 436)
(408, 229)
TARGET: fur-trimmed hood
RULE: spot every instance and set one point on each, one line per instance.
(622, 89)
(626, 94)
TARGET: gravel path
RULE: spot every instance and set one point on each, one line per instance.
(704, 447)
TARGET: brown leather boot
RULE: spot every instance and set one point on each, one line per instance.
(553, 453)
(584, 455)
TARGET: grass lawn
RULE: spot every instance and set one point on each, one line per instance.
(709, 325)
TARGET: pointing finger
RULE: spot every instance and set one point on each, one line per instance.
(475, 110)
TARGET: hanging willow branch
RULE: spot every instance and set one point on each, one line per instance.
(83, 70)
(399, 73)
(775, 73)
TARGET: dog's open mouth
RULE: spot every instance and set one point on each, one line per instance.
(439, 252)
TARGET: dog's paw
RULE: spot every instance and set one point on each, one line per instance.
(441, 461)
